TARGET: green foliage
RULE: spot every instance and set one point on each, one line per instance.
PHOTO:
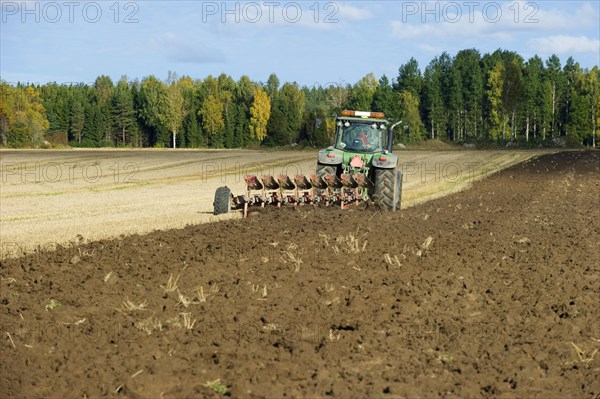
(272, 87)
(433, 106)
(409, 78)
(103, 96)
(361, 95)
(469, 109)
(259, 115)
(23, 118)
(176, 108)
(532, 96)
(217, 386)
(212, 117)
(85, 143)
(287, 111)
(123, 112)
(411, 119)
(318, 129)
(384, 99)
(495, 98)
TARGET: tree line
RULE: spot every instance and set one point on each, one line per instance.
(468, 97)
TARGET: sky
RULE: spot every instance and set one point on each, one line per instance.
(308, 42)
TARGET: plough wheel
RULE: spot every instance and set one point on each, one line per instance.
(222, 202)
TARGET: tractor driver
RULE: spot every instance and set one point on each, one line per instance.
(360, 135)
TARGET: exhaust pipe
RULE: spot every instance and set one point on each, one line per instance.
(391, 136)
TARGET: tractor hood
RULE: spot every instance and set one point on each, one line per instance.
(334, 156)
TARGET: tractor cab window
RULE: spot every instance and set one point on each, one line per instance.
(361, 137)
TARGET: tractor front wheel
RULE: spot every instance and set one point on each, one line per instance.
(388, 189)
(323, 170)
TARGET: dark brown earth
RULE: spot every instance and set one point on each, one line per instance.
(492, 292)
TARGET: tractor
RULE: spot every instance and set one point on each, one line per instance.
(358, 167)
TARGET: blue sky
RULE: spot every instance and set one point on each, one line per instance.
(42, 41)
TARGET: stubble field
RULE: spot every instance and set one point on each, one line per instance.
(62, 197)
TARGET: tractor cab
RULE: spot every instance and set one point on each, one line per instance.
(362, 132)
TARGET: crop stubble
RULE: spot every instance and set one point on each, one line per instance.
(58, 197)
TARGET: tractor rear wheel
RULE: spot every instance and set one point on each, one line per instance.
(222, 203)
(388, 189)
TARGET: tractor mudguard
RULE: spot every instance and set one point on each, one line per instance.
(385, 161)
(325, 157)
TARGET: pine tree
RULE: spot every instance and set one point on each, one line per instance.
(433, 102)
(91, 133)
(77, 118)
(554, 86)
(532, 87)
(290, 104)
(272, 87)
(123, 112)
(467, 66)
(409, 78)
(103, 95)
(454, 103)
(384, 99)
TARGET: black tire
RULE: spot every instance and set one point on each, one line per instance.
(399, 190)
(222, 203)
(323, 170)
(388, 189)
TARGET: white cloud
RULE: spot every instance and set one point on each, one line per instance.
(431, 49)
(452, 20)
(446, 30)
(563, 44)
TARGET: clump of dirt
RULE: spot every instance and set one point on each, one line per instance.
(489, 292)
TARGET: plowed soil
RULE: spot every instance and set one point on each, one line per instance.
(492, 292)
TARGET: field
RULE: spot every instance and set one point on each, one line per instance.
(487, 292)
(62, 197)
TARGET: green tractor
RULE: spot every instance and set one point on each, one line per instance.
(363, 147)
(358, 167)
